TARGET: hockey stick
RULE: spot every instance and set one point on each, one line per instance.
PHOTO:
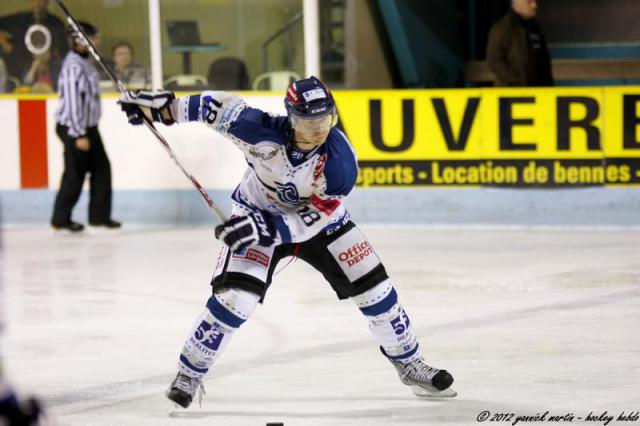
(147, 121)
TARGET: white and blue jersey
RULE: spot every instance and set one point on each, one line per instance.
(303, 190)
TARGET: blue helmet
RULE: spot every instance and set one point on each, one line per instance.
(310, 98)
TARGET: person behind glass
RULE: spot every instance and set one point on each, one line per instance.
(3, 76)
(13, 29)
(5, 46)
(77, 119)
(6, 41)
(516, 51)
(126, 67)
(43, 73)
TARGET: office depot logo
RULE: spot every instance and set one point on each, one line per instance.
(356, 253)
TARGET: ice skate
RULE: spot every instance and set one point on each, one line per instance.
(183, 389)
(70, 227)
(109, 224)
(425, 381)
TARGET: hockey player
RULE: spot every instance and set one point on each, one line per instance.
(289, 203)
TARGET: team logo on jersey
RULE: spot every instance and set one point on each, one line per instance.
(288, 193)
(264, 151)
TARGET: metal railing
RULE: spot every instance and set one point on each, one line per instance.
(285, 29)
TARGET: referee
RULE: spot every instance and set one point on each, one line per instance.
(77, 126)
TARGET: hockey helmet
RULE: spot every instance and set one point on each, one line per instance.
(309, 103)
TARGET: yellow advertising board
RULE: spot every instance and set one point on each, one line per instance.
(548, 137)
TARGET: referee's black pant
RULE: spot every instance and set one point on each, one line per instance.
(77, 164)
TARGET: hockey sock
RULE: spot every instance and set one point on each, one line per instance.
(388, 322)
(226, 311)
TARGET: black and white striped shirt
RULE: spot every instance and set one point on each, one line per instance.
(79, 90)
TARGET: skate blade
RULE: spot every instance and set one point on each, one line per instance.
(65, 232)
(426, 393)
(101, 230)
(176, 410)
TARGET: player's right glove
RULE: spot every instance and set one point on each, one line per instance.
(158, 103)
(240, 232)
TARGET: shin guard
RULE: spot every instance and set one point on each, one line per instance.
(227, 309)
(388, 322)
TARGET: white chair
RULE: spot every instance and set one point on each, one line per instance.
(277, 80)
(185, 80)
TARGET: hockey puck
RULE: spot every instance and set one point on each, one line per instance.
(275, 424)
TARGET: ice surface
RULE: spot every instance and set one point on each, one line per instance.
(527, 320)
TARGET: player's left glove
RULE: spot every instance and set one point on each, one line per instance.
(240, 232)
(158, 103)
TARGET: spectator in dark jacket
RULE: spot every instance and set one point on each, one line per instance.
(517, 52)
(13, 29)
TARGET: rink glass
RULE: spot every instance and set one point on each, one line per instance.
(240, 27)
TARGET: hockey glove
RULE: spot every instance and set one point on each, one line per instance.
(158, 103)
(24, 412)
(240, 232)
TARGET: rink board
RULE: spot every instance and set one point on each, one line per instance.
(446, 149)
